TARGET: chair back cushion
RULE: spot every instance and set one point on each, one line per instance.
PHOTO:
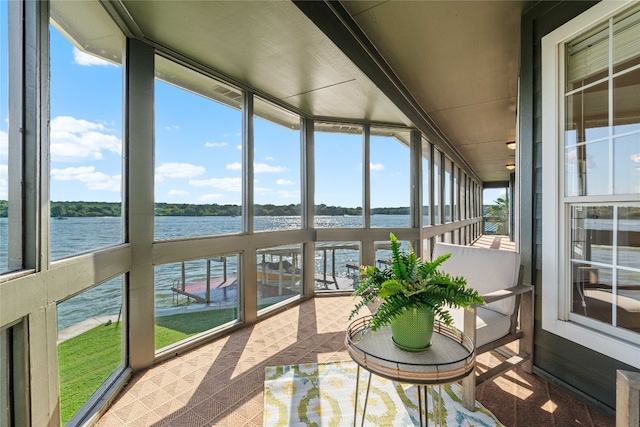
(486, 270)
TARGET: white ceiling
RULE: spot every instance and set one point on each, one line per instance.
(458, 59)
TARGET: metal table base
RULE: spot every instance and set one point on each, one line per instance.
(423, 402)
(450, 358)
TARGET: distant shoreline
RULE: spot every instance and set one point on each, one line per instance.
(82, 209)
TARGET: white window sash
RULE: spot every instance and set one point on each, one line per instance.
(555, 233)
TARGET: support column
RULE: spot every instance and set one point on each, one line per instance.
(139, 199)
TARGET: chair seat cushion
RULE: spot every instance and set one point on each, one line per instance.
(490, 325)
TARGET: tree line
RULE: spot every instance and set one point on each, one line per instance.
(99, 209)
(95, 209)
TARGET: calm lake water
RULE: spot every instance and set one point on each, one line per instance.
(77, 235)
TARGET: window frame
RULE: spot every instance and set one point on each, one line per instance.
(555, 207)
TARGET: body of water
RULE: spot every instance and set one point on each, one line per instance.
(73, 236)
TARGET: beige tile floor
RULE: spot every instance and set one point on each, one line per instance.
(221, 383)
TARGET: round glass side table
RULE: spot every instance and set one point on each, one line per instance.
(450, 357)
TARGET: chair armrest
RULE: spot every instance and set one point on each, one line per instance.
(506, 293)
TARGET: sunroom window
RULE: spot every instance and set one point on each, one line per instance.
(595, 136)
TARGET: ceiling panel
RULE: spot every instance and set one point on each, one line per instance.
(269, 46)
(459, 60)
(486, 122)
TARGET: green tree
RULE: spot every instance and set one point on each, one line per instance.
(500, 208)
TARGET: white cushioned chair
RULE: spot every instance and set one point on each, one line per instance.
(507, 315)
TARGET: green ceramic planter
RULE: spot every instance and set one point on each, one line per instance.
(412, 330)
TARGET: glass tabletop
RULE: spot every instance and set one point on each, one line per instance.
(450, 357)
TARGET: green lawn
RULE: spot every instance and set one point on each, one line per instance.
(88, 359)
(171, 329)
(85, 362)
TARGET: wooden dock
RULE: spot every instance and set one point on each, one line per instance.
(207, 291)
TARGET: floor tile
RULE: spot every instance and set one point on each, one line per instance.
(221, 383)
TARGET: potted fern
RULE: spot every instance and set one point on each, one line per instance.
(412, 293)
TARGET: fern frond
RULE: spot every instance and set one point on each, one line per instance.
(411, 283)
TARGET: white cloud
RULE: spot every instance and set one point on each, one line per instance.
(215, 144)
(4, 145)
(269, 159)
(239, 146)
(82, 58)
(227, 184)
(87, 174)
(177, 193)
(284, 182)
(178, 170)
(4, 182)
(174, 127)
(74, 139)
(262, 190)
(210, 197)
(376, 166)
(257, 167)
(263, 167)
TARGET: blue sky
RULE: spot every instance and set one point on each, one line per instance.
(198, 153)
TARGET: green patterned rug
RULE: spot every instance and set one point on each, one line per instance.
(323, 395)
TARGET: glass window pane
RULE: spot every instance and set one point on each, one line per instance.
(587, 57)
(597, 168)
(277, 168)
(4, 135)
(192, 297)
(587, 169)
(279, 274)
(90, 337)
(454, 201)
(390, 178)
(337, 265)
(626, 102)
(626, 152)
(591, 294)
(587, 114)
(447, 190)
(425, 183)
(574, 171)
(592, 233)
(86, 129)
(626, 33)
(198, 154)
(436, 187)
(628, 237)
(338, 175)
(463, 197)
(495, 206)
(628, 300)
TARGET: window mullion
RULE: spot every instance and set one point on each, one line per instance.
(610, 107)
(614, 270)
